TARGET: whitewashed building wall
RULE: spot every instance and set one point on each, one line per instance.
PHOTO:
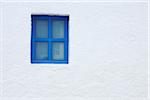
(107, 52)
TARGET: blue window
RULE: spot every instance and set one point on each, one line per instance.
(49, 39)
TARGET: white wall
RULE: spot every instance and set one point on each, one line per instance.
(75, 0)
(107, 53)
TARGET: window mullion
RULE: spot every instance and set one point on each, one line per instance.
(49, 37)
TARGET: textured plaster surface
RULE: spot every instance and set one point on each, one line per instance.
(74, 0)
(107, 53)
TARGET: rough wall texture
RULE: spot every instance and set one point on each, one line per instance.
(107, 53)
(76, 0)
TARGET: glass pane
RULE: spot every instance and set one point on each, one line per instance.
(58, 51)
(41, 28)
(58, 29)
(41, 50)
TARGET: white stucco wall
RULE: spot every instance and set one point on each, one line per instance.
(75, 0)
(107, 53)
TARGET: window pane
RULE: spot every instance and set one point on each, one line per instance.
(41, 50)
(58, 29)
(58, 51)
(41, 28)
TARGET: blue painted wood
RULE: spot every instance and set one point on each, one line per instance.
(50, 40)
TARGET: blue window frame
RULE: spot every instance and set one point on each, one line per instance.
(49, 39)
